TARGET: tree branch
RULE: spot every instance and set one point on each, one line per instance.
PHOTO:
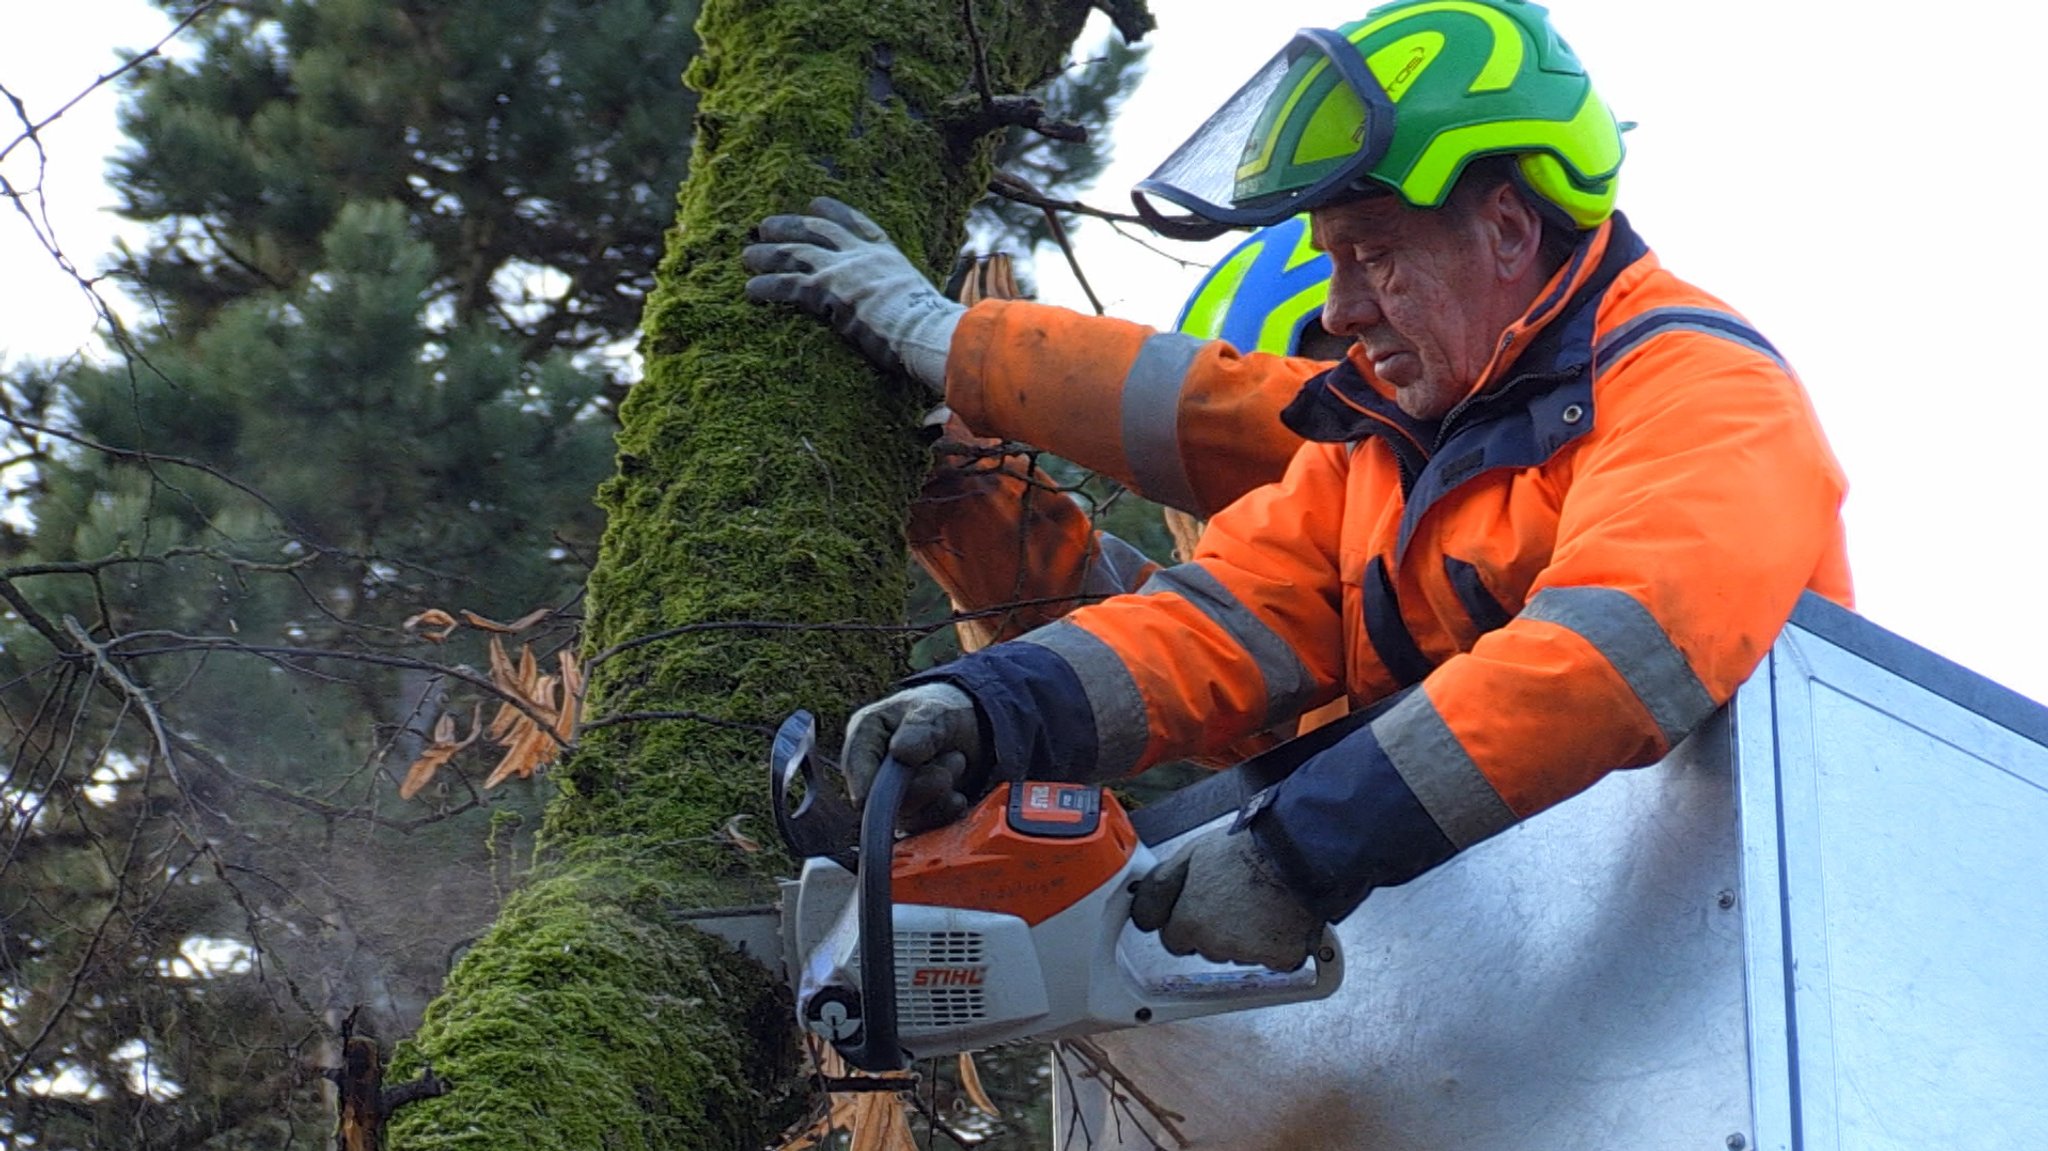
(1131, 18)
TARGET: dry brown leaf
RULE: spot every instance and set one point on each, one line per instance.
(975, 634)
(532, 724)
(501, 664)
(433, 759)
(881, 1122)
(999, 280)
(970, 285)
(729, 832)
(439, 751)
(572, 696)
(877, 1120)
(527, 734)
(502, 722)
(529, 750)
(529, 670)
(502, 675)
(970, 1082)
(433, 625)
(1186, 531)
(486, 623)
(991, 278)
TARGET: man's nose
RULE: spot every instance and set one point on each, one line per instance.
(1350, 309)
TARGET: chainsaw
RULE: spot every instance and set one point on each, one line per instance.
(1011, 925)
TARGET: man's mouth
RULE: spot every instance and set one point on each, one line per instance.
(1384, 360)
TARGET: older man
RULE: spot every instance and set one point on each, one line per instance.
(1564, 495)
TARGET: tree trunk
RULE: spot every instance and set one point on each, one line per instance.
(763, 475)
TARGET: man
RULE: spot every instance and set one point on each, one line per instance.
(1566, 497)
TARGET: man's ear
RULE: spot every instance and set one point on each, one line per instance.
(1515, 230)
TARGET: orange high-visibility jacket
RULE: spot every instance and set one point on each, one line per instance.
(997, 535)
(1012, 553)
(1577, 566)
(1008, 548)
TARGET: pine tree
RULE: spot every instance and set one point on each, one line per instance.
(396, 468)
(397, 248)
(534, 145)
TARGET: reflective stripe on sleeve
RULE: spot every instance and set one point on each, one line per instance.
(1116, 569)
(1437, 769)
(1288, 682)
(1627, 335)
(1621, 629)
(1151, 419)
(1120, 723)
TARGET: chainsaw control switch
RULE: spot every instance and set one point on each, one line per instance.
(1055, 810)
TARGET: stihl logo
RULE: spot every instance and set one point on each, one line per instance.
(948, 976)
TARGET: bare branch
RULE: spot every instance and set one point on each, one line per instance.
(286, 656)
(134, 693)
(1059, 234)
(32, 129)
(1014, 189)
(985, 111)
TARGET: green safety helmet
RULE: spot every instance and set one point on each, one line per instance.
(1264, 295)
(1399, 102)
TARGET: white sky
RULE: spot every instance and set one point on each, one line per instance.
(1845, 175)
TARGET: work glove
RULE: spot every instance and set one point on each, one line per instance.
(836, 263)
(933, 730)
(1220, 899)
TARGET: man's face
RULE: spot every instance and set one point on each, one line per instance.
(1420, 291)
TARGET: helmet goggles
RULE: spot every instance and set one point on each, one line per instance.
(1325, 144)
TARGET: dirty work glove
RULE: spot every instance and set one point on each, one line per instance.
(933, 730)
(836, 263)
(1221, 900)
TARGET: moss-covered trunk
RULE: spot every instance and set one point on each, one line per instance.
(764, 471)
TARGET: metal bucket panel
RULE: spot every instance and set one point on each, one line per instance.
(1899, 837)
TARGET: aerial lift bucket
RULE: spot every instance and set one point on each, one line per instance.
(1820, 924)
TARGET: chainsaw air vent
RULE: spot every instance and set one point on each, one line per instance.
(940, 979)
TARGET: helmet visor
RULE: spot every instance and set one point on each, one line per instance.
(1304, 132)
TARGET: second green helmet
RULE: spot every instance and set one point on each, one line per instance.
(1398, 102)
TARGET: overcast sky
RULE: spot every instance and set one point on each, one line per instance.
(1847, 176)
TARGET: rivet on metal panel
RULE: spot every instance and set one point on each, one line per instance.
(1325, 954)
(1725, 900)
(1736, 1142)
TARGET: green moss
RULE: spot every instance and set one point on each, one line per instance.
(588, 1019)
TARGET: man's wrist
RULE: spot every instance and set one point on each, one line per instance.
(927, 342)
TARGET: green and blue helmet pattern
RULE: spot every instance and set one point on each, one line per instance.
(1264, 295)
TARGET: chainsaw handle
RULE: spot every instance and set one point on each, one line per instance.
(879, 1049)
